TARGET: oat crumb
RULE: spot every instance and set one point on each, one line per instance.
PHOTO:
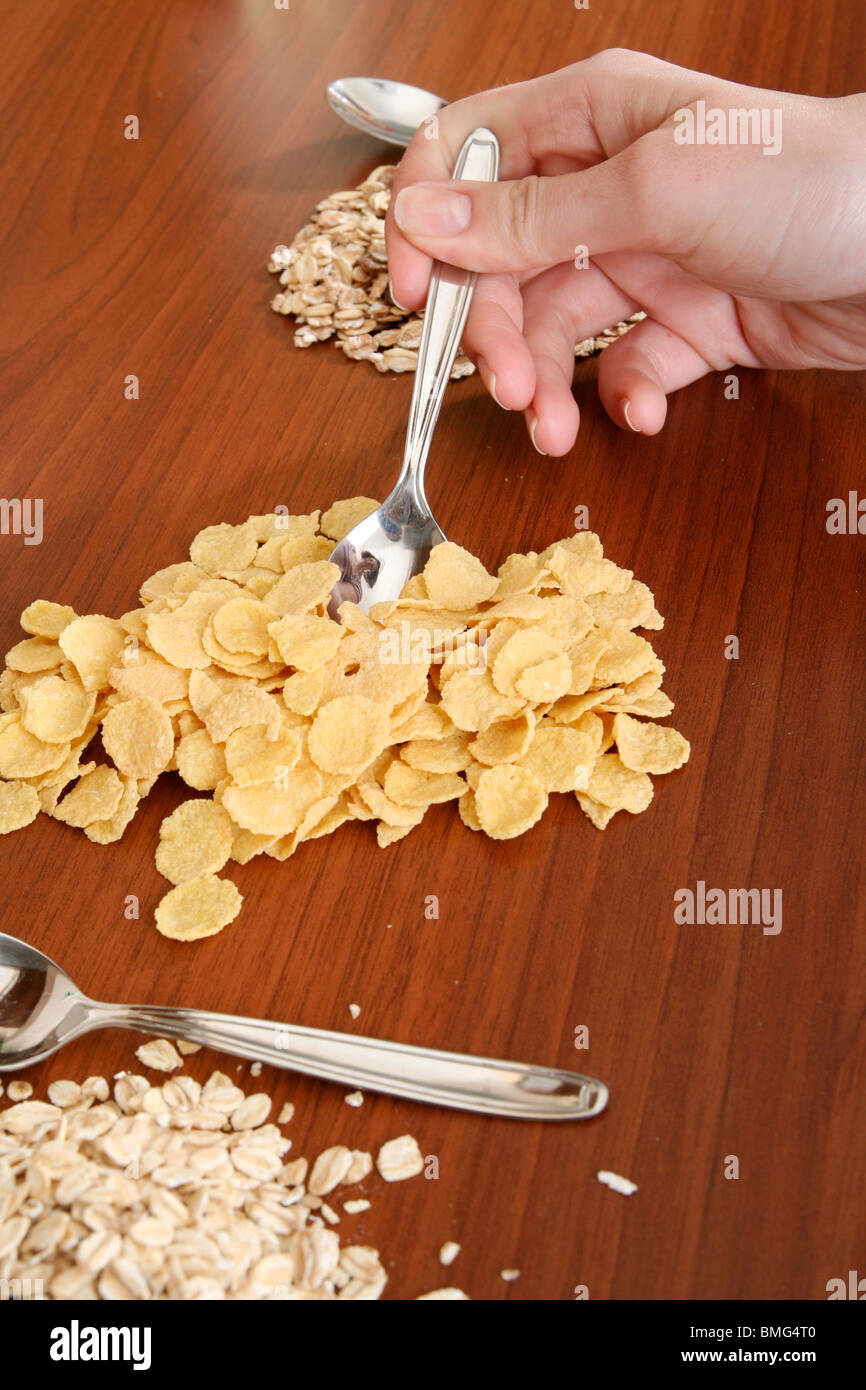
(159, 1055)
(449, 1252)
(617, 1183)
(399, 1159)
(354, 1010)
(355, 1099)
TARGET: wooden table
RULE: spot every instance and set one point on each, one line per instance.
(148, 257)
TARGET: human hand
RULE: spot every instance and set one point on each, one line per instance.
(737, 257)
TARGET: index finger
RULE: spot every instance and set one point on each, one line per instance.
(511, 113)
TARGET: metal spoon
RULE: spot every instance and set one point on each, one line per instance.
(383, 551)
(41, 1009)
(391, 111)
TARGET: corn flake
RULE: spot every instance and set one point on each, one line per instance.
(56, 710)
(34, 654)
(546, 682)
(93, 644)
(196, 839)
(138, 737)
(520, 574)
(198, 908)
(339, 519)
(19, 805)
(200, 762)
(560, 757)
(381, 806)
(582, 576)
(251, 757)
(145, 673)
(95, 797)
(601, 816)
(304, 641)
(303, 588)
(348, 733)
(473, 702)
(281, 525)
(177, 634)
(43, 618)
(241, 626)
(467, 811)
(450, 754)
(23, 755)
(505, 742)
(508, 801)
(302, 691)
(528, 647)
(301, 550)
(164, 581)
(387, 834)
(645, 747)
(274, 808)
(410, 787)
(220, 548)
(629, 609)
(456, 579)
(240, 708)
(615, 785)
(106, 832)
(626, 656)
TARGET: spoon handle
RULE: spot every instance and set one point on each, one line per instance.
(448, 300)
(452, 1079)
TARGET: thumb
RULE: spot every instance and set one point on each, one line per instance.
(643, 199)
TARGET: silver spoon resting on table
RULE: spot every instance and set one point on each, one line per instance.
(382, 553)
(41, 1009)
(390, 111)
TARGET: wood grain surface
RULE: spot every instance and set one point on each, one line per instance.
(148, 257)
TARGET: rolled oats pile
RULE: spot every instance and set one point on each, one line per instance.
(335, 283)
(177, 1191)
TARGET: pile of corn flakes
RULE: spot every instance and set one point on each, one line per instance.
(493, 691)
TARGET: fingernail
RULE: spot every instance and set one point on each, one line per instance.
(628, 418)
(532, 428)
(489, 379)
(425, 210)
(394, 300)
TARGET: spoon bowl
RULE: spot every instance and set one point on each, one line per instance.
(382, 553)
(40, 1007)
(390, 111)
